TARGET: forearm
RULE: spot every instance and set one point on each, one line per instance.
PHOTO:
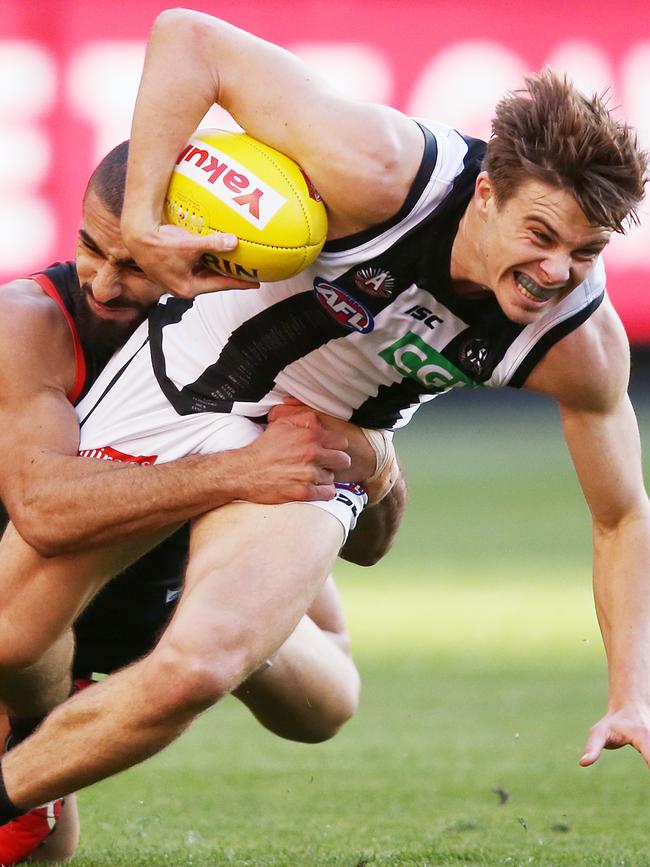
(622, 594)
(63, 503)
(376, 528)
(181, 93)
(78, 503)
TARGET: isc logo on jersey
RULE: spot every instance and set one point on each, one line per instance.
(343, 307)
(230, 181)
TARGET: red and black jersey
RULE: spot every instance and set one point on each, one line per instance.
(125, 619)
(61, 283)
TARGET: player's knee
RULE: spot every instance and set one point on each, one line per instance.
(321, 721)
(191, 682)
(340, 711)
(328, 724)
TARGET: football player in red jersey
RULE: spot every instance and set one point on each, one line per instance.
(62, 325)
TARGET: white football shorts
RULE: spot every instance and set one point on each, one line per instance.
(126, 417)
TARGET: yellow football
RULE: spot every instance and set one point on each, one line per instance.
(230, 182)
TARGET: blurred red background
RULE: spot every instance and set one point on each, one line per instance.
(69, 73)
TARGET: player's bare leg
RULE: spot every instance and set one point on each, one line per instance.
(32, 691)
(60, 845)
(254, 570)
(46, 595)
(312, 685)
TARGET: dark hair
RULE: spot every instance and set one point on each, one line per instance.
(109, 179)
(553, 133)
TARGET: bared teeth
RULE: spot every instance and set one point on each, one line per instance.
(529, 289)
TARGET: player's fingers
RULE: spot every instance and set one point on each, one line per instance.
(306, 418)
(221, 242)
(299, 417)
(210, 281)
(284, 411)
(323, 492)
(216, 242)
(594, 746)
(335, 440)
(642, 743)
(335, 460)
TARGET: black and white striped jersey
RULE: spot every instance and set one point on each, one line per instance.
(372, 329)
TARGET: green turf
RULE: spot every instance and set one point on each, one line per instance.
(482, 669)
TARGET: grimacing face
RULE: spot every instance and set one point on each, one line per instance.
(115, 295)
(536, 247)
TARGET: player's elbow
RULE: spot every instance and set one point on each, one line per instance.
(42, 542)
(368, 553)
(370, 558)
(171, 19)
(186, 28)
(40, 529)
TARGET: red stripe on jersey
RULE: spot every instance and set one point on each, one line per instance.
(80, 362)
(107, 453)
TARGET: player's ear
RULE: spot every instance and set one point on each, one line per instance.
(483, 194)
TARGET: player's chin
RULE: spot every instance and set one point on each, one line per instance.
(113, 332)
(122, 316)
(523, 311)
(524, 317)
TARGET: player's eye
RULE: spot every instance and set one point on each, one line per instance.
(91, 248)
(586, 255)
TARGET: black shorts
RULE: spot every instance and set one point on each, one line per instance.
(124, 621)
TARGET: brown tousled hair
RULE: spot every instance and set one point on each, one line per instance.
(109, 179)
(551, 132)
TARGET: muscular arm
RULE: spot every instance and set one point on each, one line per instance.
(60, 502)
(361, 157)
(601, 431)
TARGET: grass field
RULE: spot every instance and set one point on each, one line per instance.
(483, 671)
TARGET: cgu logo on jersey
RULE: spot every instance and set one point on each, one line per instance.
(230, 181)
(374, 281)
(343, 307)
(414, 358)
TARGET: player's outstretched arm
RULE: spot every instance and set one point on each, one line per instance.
(361, 157)
(602, 434)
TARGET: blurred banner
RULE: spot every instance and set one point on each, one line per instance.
(69, 73)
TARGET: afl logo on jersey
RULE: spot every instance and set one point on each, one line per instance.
(343, 307)
(374, 281)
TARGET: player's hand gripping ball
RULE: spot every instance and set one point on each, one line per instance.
(230, 182)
